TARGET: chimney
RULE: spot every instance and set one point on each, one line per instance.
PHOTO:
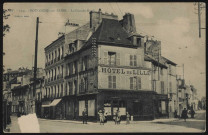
(128, 23)
(96, 18)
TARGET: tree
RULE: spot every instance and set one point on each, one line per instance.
(6, 27)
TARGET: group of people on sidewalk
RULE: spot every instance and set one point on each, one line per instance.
(184, 114)
(103, 117)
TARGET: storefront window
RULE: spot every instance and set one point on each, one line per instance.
(81, 107)
(91, 107)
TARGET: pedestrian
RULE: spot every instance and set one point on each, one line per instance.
(127, 118)
(101, 117)
(184, 114)
(117, 117)
(192, 113)
(175, 114)
(84, 116)
(105, 117)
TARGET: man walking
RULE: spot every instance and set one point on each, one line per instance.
(84, 116)
(184, 114)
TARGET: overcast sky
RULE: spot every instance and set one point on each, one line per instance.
(174, 24)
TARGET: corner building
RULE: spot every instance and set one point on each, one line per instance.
(105, 70)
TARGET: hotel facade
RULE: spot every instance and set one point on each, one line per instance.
(104, 65)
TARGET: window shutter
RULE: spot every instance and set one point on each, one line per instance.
(105, 58)
(117, 58)
(135, 60)
(139, 60)
(131, 82)
(131, 60)
(109, 82)
(114, 81)
(139, 81)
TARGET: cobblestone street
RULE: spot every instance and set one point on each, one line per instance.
(158, 125)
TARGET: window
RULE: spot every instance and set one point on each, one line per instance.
(58, 93)
(62, 68)
(52, 57)
(170, 69)
(161, 71)
(112, 82)
(58, 53)
(75, 87)
(111, 58)
(61, 90)
(139, 42)
(135, 83)
(162, 87)
(75, 67)
(55, 54)
(170, 87)
(58, 72)
(68, 69)
(68, 89)
(105, 58)
(139, 81)
(133, 60)
(86, 83)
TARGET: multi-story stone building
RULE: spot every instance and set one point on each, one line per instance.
(22, 92)
(107, 66)
(181, 96)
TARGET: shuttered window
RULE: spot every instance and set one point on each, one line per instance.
(162, 87)
(117, 58)
(112, 82)
(105, 58)
(139, 83)
(133, 60)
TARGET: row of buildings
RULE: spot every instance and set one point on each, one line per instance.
(106, 65)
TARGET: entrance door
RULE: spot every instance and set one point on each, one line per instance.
(137, 108)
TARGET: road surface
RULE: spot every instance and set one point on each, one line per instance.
(163, 125)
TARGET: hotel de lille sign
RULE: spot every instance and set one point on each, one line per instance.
(125, 71)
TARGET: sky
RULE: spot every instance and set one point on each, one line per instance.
(174, 24)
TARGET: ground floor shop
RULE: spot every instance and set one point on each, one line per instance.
(141, 105)
(161, 102)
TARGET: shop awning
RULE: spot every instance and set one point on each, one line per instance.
(55, 102)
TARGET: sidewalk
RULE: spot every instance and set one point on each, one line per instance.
(67, 121)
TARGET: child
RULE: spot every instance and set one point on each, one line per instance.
(127, 118)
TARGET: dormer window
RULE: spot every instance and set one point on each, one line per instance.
(139, 42)
(136, 40)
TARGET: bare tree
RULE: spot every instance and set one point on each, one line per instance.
(6, 27)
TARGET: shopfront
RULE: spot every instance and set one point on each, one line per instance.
(138, 104)
(161, 102)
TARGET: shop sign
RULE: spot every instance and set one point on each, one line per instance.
(125, 71)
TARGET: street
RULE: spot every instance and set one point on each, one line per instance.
(159, 125)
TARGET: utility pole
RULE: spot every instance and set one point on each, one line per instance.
(183, 71)
(199, 18)
(200, 6)
(35, 65)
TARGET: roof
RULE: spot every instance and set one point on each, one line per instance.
(151, 59)
(168, 61)
(110, 31)
(61, 37)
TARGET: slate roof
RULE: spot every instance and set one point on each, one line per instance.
(110, 31)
